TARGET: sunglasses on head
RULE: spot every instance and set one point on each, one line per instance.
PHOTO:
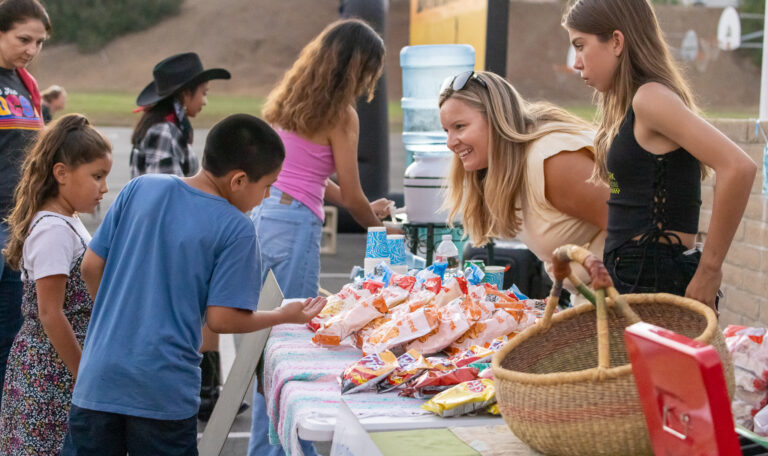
(460, 80)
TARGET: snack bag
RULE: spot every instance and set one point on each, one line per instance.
(476, 310)
(493, 409)
(374, 286)
(412, 363)
(415, 301)
(360, 336)
(433, 382)
(452, 324)
(381, 273)
(394, 296)
(474, 274)
(367, 372)
(438, 363)
(342, 325)
(484, 332)
(449, 294)
(462, 399)
(473, 354)
(406, 282)
(401, 329)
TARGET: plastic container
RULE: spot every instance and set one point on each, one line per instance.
(495, 276)
(448, 253)
(425, 68)
(424, 181)
(376, 248)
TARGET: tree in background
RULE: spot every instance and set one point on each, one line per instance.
(752, 25)
(91, 24)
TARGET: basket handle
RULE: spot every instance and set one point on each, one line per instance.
(603, 285)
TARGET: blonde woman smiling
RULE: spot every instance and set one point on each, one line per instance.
(521, 169)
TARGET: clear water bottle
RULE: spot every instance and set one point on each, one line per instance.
(448, 253)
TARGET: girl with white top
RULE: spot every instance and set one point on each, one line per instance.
(63, 174)
(521, 169)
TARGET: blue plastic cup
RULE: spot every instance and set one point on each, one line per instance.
(376, 243)
(495, 276)
(396, 245)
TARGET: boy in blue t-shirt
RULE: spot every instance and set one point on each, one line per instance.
(169, 253)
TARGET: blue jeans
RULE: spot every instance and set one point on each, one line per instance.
(10, 307)
(98, 433)
(289, 236)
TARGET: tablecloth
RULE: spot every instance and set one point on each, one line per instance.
(301, 379)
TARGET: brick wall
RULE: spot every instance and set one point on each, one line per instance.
(745, 271)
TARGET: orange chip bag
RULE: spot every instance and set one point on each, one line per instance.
(484, 332)
(476, 310)
(360, 336)
(452, 324)
(367, 372)
(401, 329)
(345, 323)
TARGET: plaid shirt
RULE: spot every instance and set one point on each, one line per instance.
(163, 151)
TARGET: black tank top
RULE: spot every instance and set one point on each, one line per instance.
(650, 194)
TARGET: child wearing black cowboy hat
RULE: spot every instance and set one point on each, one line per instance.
(161, 145)
(162, 137)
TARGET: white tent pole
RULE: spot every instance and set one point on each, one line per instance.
(764, 77)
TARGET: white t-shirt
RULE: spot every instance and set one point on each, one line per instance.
(52, 248)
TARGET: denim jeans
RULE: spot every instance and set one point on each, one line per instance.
(95, 433)
(10, 307)
(289, 237)
(652, 267)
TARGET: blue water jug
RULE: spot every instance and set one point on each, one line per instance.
(425, 68)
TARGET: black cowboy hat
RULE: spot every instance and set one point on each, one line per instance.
(175, 72)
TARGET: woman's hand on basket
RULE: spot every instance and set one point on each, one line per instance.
(704, 285)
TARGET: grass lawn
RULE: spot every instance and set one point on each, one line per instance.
(116, 109)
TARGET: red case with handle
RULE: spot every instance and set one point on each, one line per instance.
(682, 389)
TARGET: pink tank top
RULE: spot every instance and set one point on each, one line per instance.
(306, 169)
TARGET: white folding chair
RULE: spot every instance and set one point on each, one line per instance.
(240, 376)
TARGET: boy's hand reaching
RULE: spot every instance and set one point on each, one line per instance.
(301, 312)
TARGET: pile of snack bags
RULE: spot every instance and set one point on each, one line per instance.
(398, 321)
(749, 349)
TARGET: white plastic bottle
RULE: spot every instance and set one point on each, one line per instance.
(448, 253)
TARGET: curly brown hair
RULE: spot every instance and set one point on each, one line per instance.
(341, 64)
(70, 140)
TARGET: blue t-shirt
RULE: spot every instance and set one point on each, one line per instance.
(170, 250)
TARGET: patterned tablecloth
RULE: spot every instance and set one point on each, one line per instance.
(301, 380)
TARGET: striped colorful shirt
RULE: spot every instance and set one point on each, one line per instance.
(19, 124)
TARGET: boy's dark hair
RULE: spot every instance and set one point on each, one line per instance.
(14, 11)
(243, 142)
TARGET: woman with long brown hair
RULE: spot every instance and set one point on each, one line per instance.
(521, 169)
(312, 109)
(653, 149)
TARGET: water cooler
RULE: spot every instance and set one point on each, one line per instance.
(425, 69)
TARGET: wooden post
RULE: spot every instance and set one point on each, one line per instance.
(240, 377)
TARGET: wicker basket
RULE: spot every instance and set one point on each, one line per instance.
(565, 385)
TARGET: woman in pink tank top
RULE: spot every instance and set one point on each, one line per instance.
(312, 108)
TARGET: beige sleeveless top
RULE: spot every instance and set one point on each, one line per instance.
(544, 228)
